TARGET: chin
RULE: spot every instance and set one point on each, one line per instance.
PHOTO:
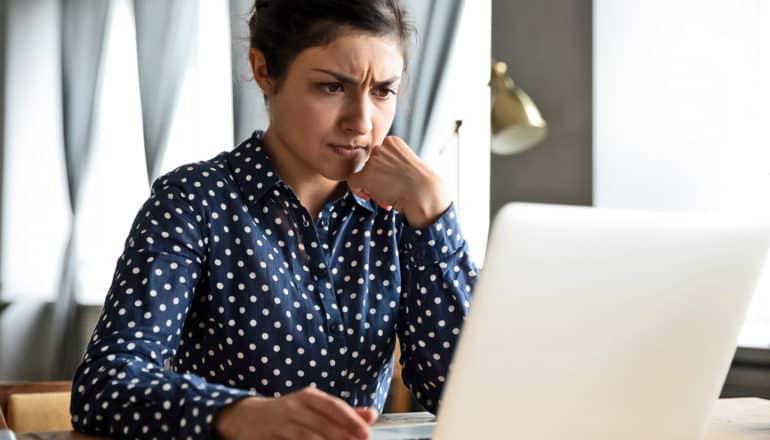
(338, 176)
(339, 173)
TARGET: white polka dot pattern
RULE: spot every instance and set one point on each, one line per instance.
(228, 288)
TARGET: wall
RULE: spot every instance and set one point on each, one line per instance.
(547, 45)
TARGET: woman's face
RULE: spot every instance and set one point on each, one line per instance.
(334, 103)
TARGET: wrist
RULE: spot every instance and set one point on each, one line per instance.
(225, 421)
(428, 203)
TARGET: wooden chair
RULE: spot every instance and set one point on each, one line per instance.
(400, 398)
(35, 406)
(3, 425)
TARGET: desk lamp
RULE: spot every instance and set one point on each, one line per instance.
(516, 122)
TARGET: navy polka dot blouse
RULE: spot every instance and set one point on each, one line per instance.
(228, 288)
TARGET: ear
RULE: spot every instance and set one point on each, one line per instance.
(259, 70)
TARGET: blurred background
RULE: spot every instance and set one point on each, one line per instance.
(657, 104)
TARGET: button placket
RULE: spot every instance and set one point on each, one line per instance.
(318, 257)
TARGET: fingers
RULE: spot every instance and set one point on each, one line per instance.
(385, 178)
(337, 410)
(398, 147)
(295, 431)
(307, 414)
(320, 425)
(368, 414)
(361, 192)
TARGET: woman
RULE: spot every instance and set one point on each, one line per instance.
(260, 293)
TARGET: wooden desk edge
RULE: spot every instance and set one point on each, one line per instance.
(747, 417)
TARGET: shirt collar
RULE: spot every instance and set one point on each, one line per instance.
(368, 204)
(253, 171)
(252, 168)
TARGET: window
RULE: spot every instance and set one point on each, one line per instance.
(115, 185)
(680, 97)
(203, 122)
(36, 212)
(466, 99)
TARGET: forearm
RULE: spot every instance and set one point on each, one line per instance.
(132, 396)
(438, 278)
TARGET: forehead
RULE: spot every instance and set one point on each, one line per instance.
(356, 54)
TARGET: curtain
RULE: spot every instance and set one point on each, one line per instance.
(166, 32)
(83, 25)
(436, 22)
(3, 38)
(249, 112)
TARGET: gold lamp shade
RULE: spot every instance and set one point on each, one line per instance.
(516, 122)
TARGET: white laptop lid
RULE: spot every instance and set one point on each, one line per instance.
(592, 323)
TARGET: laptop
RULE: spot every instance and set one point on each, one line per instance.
(592, 323)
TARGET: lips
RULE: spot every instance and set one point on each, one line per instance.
(348, 151)
(348, 147)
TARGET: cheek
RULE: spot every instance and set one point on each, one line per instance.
(383, 119)
(303, 111)
(315, 114)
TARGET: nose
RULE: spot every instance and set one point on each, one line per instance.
(357, 117)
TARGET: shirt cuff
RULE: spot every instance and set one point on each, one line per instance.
(436, 242)
(206, 400)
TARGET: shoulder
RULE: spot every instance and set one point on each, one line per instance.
(193, 189)
(196, 177)
(200, 185)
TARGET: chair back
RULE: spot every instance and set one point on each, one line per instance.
(36, 406)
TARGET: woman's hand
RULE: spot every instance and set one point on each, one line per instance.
(394, 177)
(305, 414)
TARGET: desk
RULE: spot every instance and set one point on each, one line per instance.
(732, 419)
(740, 419)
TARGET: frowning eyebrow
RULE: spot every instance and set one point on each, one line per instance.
(349, 80)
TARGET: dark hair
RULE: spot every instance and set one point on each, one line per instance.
(281, 29)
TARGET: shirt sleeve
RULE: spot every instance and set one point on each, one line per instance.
(438, 276)
(125, 386)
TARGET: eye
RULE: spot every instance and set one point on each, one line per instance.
(331, 87)
(383, 92)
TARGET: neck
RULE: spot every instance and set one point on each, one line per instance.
(312, 189)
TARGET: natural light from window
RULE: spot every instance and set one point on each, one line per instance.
(116, 182)
(202, 123)
(36, 211)
(680, 96)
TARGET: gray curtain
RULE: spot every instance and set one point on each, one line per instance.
(249, 111)
(166, 32)
(83, 25)
(3, 39)
(436, 22)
